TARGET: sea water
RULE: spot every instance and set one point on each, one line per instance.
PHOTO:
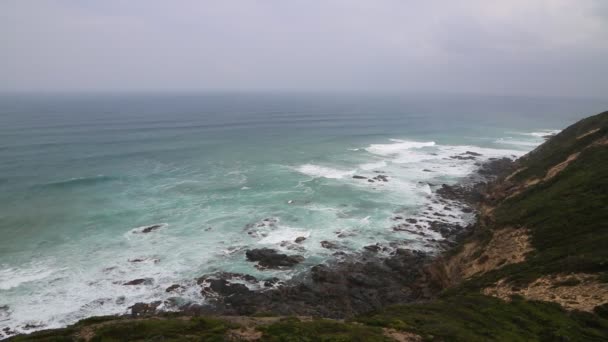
(82, 174)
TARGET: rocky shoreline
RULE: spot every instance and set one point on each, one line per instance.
(352, 283)
(373, 278)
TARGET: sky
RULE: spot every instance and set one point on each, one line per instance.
(515, 47)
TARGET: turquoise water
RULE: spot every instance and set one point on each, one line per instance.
(80, 175)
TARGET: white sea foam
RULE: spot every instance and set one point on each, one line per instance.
(511, 141)
(397, 146)
(14, 277)
(283, 234)
(373, 166)
(540, 134)
(324, 171)
(93, 283)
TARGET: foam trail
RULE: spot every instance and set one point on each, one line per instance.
(323, 171)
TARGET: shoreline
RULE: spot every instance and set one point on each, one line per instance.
(348, 285)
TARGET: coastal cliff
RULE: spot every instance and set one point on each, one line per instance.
(534, 266)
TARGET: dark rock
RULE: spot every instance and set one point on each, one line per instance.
(411, 220)
(151, 228)
(270, 282)
(463, 157)
(467, 210)
(473, 154)
(446, 230)
(141, 281)
(33, 325)
(173, 287)
(8, 332)
(329, 245)
(372, 248)
(383, 178)
(300, 239)
(427, 170)
(359, 177)
(369, 180)
(396, 218)
(144, 309)
(228, 276)
(269, 258)
(222, 288)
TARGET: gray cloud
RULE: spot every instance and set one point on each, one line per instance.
(545, 47)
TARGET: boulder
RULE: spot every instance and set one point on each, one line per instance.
(329, 245)
(270, 258)
(141, 281)
(173, 287)
(151, 228)
(144, 309)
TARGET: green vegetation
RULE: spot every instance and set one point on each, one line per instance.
(165, 329)
(558, 148)
(482, 318)
(321, 330)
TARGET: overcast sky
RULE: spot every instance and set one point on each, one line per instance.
(530, 47)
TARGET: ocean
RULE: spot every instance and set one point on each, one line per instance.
(81, 175)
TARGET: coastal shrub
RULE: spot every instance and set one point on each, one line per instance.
(195, 329)
(567, 217)
(476, 317)
(293, 329)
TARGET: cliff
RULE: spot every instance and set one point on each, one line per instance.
(533, 267)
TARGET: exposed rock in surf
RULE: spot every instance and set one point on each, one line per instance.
(372, 248)
(8, 331)
(271, 282)
(137, 260)
(269, 258)
(173, 288)
(151, 228)
(397, 218)
(370, 180)
(33, 325)
(383, 178)
(339, 289)
(475, 154)
(329, 245)
(228, 276)
(427, 170)
(217, 288)
(144, 309)
(359, 177)
(463, 157)
(300, 239)
(141, 281)
(411, 220)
